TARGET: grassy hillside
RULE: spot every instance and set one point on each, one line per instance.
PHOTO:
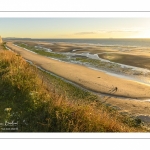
(2, 46)
(34, 101)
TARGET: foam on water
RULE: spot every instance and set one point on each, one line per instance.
(74, 50)
(43, 48)
(95, 56)
(116, 72)
(8, 48)
(29, 51)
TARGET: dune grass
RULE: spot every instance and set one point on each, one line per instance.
(39, 102)
(2, 46)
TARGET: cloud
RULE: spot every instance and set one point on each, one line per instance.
(109, 31)
(83, 33)
(120, 31)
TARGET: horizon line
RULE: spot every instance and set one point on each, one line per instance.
(74, 38)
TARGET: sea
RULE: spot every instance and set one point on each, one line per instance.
(130, 42)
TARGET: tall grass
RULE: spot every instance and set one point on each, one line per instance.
(2, 46)
(27, 100)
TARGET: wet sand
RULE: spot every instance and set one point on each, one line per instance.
(142, 61)
(91, 79)
(133, 56)
(98, 81)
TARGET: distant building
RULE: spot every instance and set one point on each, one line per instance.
(1, 41)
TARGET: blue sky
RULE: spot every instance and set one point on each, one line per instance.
(75, 27)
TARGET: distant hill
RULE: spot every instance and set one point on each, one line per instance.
(14, 38)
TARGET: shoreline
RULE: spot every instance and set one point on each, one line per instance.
(135, 107)
(42, 97)
(132, 73)
(119, 103)
(105, 83)
(77, 85)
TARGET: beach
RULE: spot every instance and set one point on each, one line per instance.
(125, 94)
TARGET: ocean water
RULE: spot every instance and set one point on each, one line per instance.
(103, 42)
(128, 42)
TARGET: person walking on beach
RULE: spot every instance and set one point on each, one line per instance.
(116, 89)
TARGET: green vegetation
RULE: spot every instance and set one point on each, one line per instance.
(70, 90)
(41, 51)
(84, 60)
(91, 61)
(98, 63)
(40, 102)
(2, 46)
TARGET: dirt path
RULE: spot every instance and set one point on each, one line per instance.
(96, 81)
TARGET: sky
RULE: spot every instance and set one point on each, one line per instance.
(75, 27)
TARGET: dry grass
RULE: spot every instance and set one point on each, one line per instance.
(2, 46)
(38, 109)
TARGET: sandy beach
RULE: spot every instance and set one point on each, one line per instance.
(91, 79)
(134, 56)
(130, 95)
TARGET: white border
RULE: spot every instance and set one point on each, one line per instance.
(74, 14)
(75, 5)
(96, 135)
